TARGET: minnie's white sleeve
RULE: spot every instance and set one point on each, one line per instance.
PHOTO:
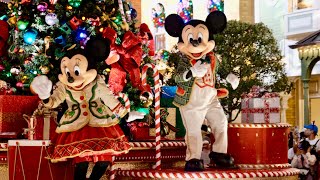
(110, 99)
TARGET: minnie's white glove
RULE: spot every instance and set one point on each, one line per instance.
(198, 69)
(133, 115)
(42, 86)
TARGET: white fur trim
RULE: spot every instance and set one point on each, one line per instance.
(28, 142)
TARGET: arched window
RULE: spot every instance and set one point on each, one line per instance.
(185, 10)
(215, 5)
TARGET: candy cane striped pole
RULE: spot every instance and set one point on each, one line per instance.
(112, 169)
(122, 11)
(156, 108)
(126, 100)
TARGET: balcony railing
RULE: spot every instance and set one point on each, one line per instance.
(302, 21)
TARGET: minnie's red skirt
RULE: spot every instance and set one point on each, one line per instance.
(89, 144)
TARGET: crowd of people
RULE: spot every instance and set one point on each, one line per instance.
(304, 152)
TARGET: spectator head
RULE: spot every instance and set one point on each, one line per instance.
(311, 129)
(304, 145)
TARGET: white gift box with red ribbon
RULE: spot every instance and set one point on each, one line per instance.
(41, 125)
(260, 110)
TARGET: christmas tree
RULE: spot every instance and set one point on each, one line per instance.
(251, 52)
(42, 32)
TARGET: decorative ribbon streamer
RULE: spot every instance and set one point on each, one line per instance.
(257, 92)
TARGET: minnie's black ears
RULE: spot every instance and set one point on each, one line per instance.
(174, 25)
(97, 49)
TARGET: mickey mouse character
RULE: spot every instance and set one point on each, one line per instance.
(196, 96)
(88, 130)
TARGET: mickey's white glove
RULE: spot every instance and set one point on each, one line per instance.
(198, 69)
(42, 86)
(133, 115)
(233, 80)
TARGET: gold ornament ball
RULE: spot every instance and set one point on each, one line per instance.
(146, 99)
(24, 79)
(44, 69)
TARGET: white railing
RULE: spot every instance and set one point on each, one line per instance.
(302, 21)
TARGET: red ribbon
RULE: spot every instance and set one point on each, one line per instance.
(134, 125)
(126, 58)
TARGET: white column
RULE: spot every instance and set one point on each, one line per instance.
(284, 97)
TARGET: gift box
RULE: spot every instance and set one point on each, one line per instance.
(260, 110)
(45, 127)
(140, 131)
(168, 124)
(12, 108)
(42, 124)
(167, 103)
(27, 160)
(168, 91)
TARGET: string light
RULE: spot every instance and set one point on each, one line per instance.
(158, 16)
(185, 10)
(216, 5)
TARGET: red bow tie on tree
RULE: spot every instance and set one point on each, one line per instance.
(126, 58)
(4, 36)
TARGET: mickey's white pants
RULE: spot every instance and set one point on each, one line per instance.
(202, 104)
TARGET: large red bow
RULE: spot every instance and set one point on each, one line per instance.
(4, 35)
(147, 38)
(124, 58)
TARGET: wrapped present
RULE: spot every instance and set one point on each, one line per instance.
(167, 122)
(27, 160)
(260, 110)
(168, 91)
(167, 103)
(167, 97)
(42, 124)
(46, 127)
(12, 108)
(140, 131)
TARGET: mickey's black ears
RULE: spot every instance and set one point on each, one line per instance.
(174, 25)
(216, 22)
(97, 49)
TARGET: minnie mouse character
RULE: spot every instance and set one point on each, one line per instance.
(196, 96)
(88, 130)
